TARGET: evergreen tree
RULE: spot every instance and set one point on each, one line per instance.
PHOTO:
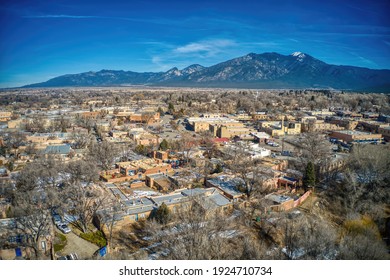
(164, 145)
(161, 111)
(218, 169)
(163, 214)
(171, 108)
(309, 178)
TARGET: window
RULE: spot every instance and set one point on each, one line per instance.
(43, 244)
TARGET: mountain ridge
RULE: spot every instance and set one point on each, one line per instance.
(267, 70)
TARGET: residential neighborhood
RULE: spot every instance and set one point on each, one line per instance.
(143, 173)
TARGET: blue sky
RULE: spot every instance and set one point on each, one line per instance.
(44, 39)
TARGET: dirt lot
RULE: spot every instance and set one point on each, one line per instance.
(81, 247)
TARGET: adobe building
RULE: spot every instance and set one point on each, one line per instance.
(5, 116)
(349, 124)
(385, 131)
(228, 130)
(279, 128)
(135, 170)
(354, 136)
(319, 126)
(204, 123)
(90, 115)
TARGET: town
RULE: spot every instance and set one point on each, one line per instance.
(193, 173)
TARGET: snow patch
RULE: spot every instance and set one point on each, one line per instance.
(299, 55)
(296, 53)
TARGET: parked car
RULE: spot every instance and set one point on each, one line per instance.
(57, 219)
(72, 256)
(64, 228)
(273, 144)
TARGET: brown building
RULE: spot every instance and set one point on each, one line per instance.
(260, 116)
(354, 136)
(319, 126)
(145, 117)
(348, 124)
(280, 128)
(135, 170)
(5, 116)
(90, 115)
(160, 155)
(385, 131)
(372, 126)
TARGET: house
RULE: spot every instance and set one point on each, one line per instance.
(285, 201)
(135, 170)
(118, 134)
(160, 155)
(385, 131)
(15, 237)
(58, 150)
(140, 208)
(260, 137)
(5, 116)
(260, 116)
(228, 185)
(160, 182)
(280, 202)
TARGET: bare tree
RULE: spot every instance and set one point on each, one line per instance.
(186, 145)
(362, 247)
(83, 202)
(104, 154)
(80, 141)
(308, 237)
(239, 162)
(315, 148)
(33, 219)
(81, 171)
(370, 164)
(196, 233)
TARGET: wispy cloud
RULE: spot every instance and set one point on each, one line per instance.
(64, 16)
(144, 20)
(205, 48)
(367, 62)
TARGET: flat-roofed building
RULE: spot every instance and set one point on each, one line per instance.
(260, 116)
(349, 124)
(319, 126)
(204, 123)
(354, 136)
(280, 128)
(5, 116)
(228, 185)
(229, 130)
(372, 126)
(385, 131)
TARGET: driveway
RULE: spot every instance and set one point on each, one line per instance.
(81, 247)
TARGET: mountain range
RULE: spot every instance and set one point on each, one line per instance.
(267, 70)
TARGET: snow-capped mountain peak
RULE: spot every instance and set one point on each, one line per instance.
(299, 55)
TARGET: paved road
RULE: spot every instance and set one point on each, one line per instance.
(81, 247)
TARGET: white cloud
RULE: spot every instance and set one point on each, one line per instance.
(207, 47)
(62, 16)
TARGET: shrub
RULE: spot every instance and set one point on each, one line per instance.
(96, 237)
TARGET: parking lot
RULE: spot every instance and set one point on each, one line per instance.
(76, 244)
